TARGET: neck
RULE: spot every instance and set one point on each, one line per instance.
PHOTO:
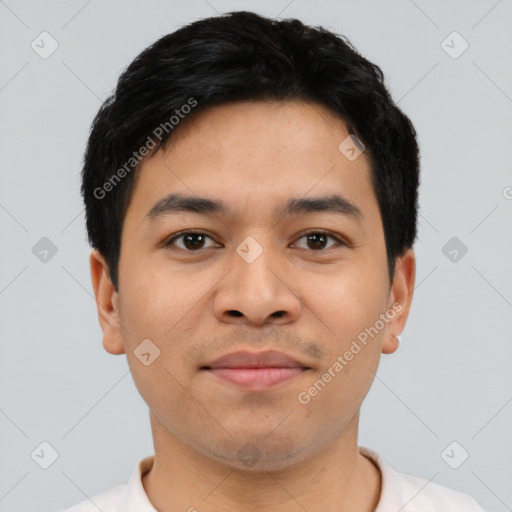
(339, 479)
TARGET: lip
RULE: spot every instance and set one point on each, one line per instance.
(246, 359)
(256, 371)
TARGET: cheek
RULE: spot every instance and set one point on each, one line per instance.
(350, 302)
(347, 310)
(157, 310)
(161, 387)
(157, 300)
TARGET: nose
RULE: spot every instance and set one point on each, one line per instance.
(256, 293)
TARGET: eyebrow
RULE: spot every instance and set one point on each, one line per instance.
(177, 203)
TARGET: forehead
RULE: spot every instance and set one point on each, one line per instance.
(282, 126)
(251, 154)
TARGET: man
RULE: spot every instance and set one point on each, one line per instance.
(251, 197)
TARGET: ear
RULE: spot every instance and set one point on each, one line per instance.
(400, 299)
(107, 302)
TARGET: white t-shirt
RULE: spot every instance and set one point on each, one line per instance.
(400, 492)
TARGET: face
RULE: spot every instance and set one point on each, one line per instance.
(266, 268)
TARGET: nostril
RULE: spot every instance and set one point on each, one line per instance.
(234, 312)
(278, 314)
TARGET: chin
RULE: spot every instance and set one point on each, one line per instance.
(254, 456)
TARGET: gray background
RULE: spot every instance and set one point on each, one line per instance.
(449, 381)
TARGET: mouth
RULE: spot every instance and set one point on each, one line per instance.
(255, 371)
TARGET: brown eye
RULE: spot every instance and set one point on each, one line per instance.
(317, 241)
(189, 241)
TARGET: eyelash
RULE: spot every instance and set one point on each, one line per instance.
(169, 241)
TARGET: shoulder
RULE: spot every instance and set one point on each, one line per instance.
(423, 495)
(107, 501)
(130, 496)
(415, 494)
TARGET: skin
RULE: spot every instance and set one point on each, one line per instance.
(254, 156)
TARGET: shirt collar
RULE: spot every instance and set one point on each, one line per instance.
(389, 481)
(135, 498)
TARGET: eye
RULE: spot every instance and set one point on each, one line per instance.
(190, 240)
(317, 240)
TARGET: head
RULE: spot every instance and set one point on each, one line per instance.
(280, 147)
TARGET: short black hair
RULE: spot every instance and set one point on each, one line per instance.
(242, 56)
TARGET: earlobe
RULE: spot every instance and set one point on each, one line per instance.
(107, 302)
(391, 344)
(400, 299)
